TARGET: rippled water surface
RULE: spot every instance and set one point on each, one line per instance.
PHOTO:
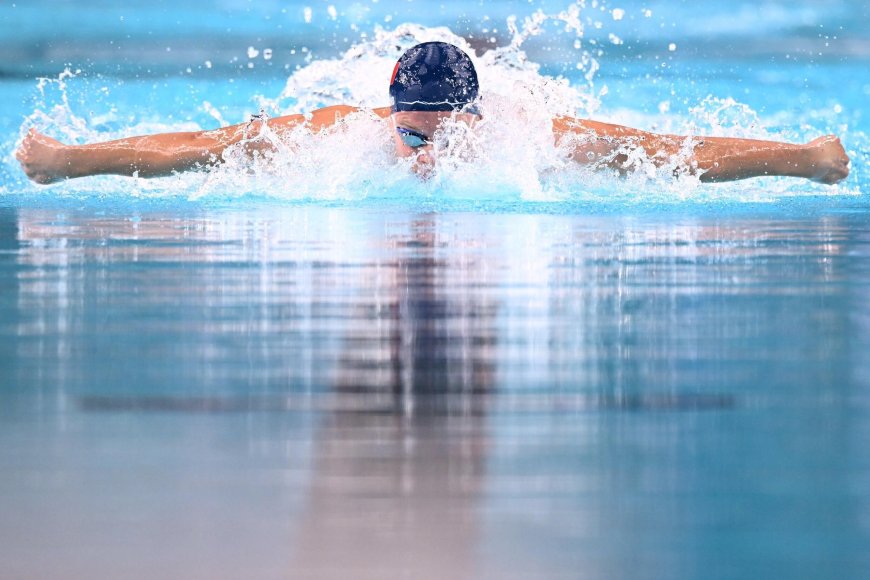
(326, 393)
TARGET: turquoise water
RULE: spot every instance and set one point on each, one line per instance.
(327, 374)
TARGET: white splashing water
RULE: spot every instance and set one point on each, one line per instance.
(509, 154)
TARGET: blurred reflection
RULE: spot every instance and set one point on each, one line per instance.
(461, 393)
(420, 337)
(394, 488)
(247, 306)
(8, 294)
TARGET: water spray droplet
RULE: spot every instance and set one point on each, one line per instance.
(617, 13)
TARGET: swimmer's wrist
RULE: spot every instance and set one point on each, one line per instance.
(83, 160)
(63, 162)
(808, 161)
(75, 161)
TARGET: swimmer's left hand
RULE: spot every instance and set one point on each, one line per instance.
(829, 163)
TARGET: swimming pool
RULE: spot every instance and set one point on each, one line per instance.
(324, 374)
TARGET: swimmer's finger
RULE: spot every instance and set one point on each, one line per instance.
(28, 138)
(21, 152)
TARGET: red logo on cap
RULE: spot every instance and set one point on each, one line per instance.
(395, 70)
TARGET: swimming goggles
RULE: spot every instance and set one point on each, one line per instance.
(412, 138)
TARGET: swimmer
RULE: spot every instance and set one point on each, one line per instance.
(433, 81)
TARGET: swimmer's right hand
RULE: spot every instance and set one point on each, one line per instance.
(42, 158)
(828, 160)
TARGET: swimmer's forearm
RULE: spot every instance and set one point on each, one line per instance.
(717, 159)
(46, 160)
(147, 156)
(726, 159)
(713, 159)
(152, 155)
(162, 154)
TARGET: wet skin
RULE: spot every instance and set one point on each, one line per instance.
(713, 159)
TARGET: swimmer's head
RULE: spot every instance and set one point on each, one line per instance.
(414, 133)
(431, 82)
(434, 76)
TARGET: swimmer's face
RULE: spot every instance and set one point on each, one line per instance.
(418, 128)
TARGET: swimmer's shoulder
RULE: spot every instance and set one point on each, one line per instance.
(328, 116)
(325, 117)
(340, 111)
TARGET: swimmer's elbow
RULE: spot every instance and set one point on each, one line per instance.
(207, 147)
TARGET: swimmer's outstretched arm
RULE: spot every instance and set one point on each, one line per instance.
(46, 160)
(714, 159)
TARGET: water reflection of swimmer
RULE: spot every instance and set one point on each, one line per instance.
(399, 463)
(426, 350)
(433, 81)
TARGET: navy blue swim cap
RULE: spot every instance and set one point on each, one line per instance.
(434, 76)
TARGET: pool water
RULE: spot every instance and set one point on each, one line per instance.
(310, 372)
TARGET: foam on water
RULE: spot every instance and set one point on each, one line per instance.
(509, 156)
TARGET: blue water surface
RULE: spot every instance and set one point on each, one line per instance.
(627, 380)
